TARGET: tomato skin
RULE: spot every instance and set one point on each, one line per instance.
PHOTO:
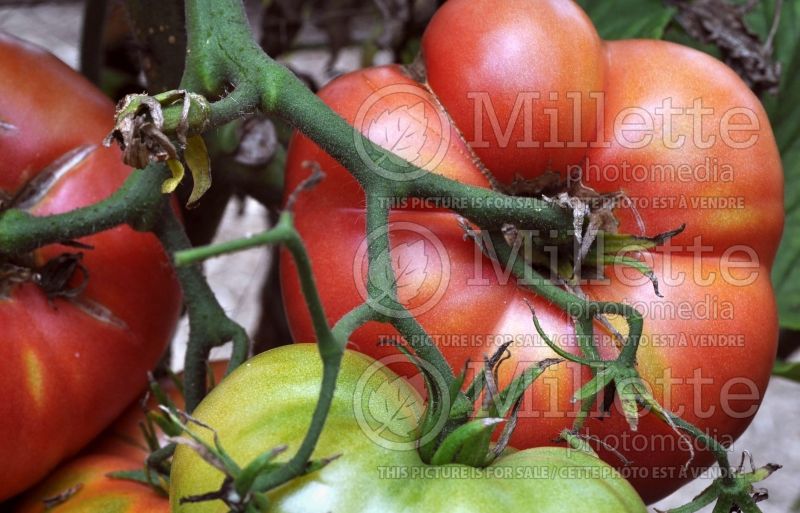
(708, 343)
(121, 447)
(72, 366)
(481, 52)
(98, 493)
(644, 74)
(39, 90)
(269, 400)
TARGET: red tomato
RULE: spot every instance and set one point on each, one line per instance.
(121, 447)
(708, 344)
(96, 492)
(70, 365)
(507, 74)
(745, 182)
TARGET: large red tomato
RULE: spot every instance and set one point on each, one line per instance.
(500, 74)
(708, 344)
(83, 483)
(70, 364)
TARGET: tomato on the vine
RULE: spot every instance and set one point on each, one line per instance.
(511, 90)
(269, 400)
(84, 485)
(81, 323)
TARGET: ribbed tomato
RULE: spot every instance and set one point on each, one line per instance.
(268, 401)
(708, 344)
(71, 357)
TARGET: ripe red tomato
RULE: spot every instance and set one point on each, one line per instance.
(94, 491)
(708, 344)
(70, 365)
(499, 71)
(121, 447)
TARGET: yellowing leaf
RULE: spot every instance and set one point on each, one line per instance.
(196, 157)
(170, 184)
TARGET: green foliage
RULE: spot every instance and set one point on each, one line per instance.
(788, 370)
(784, 112)
(626, 19)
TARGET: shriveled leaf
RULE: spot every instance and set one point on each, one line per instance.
(722, 24)
(169, 185)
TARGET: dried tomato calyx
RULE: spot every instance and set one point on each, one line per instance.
(54, 278)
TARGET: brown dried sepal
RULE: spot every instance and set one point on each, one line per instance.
(139, 127)
(138, 131)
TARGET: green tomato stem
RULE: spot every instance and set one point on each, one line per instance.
(209, 326)
(279, 234)
(354, 319)
(136, 203)
(331, 346)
